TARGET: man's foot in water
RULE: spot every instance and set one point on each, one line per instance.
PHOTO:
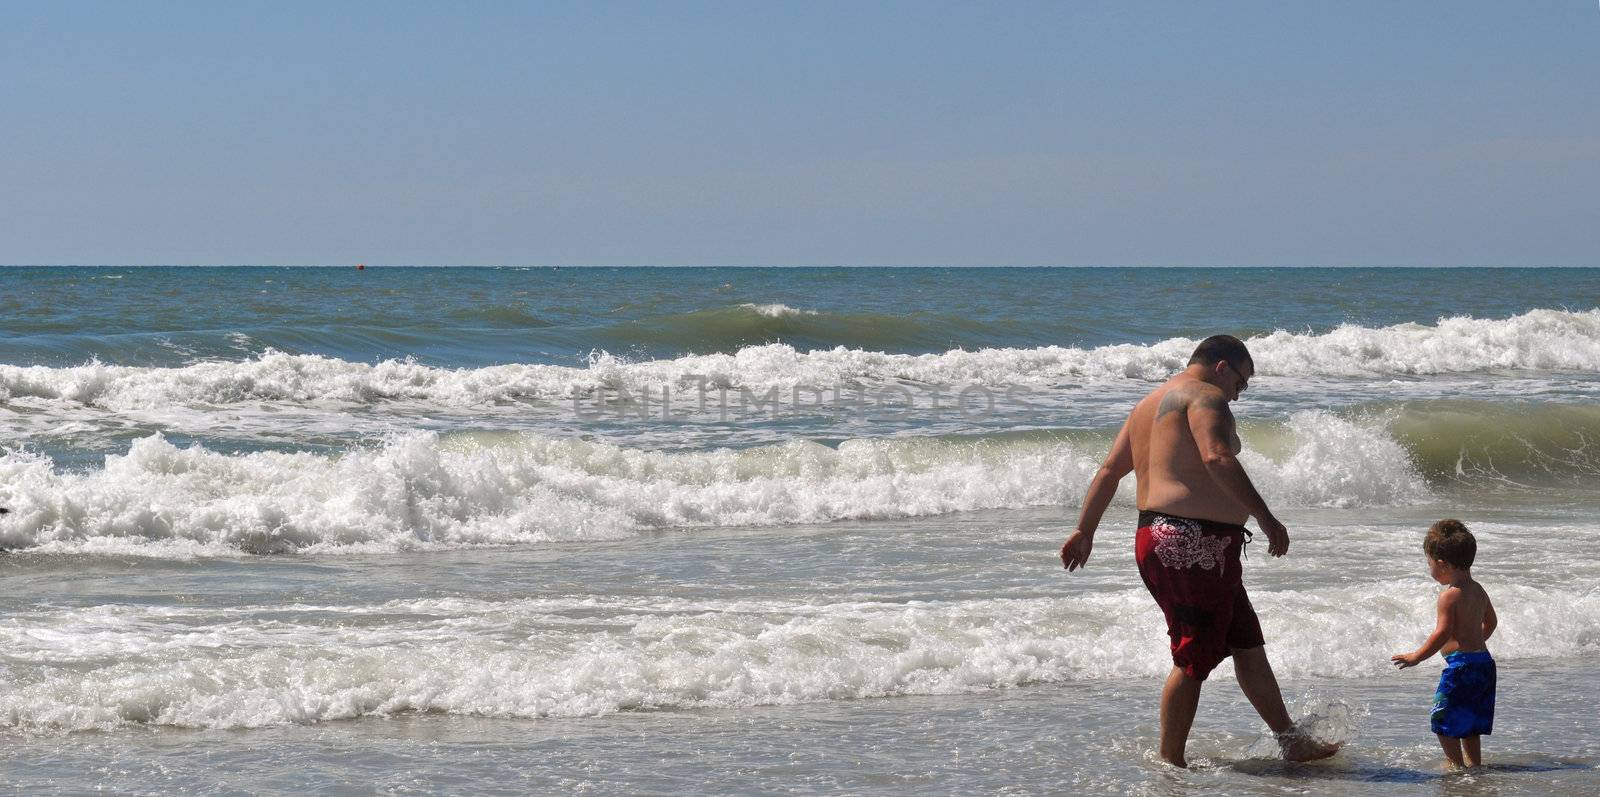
(1297, 746)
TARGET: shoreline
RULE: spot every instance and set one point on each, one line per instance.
(1079, 738)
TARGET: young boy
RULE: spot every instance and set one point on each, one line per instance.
(1463, 707)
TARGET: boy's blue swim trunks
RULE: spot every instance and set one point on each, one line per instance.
(1464, 704)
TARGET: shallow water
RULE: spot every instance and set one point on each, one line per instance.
(947, 654)
(319, 567)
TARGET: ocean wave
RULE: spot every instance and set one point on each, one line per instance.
(1541, 340)
(107, 666)
(1509, 443)
(502, 315)
(421, 491)
(776, 310)
(731, 328)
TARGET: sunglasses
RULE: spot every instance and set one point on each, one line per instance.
(1244, 381)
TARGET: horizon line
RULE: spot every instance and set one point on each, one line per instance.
(794, 266)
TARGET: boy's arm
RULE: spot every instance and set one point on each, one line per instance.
(1490, 622)
(1435, 640)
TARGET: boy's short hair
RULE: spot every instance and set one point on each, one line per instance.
(1450, 542)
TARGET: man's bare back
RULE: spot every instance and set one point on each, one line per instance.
(1168, 463)
(1182, 445)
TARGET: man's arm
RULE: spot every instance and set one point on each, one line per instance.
(1075, 552)
(1211, 424)
(1435, 640)
(1490, 622)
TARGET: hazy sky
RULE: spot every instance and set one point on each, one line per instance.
(826, 133)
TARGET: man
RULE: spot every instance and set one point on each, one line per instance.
(1193, 497)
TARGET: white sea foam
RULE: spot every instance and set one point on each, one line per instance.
(417, 491)
(103, 666)
(1541, 340)
(1555, 340)
(421, 491)
(1335, 462)
(776, 310)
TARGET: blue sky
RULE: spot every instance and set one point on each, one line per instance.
(817, 133)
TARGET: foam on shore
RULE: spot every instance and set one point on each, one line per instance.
(253, 666)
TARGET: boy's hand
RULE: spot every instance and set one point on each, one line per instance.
(1404, 660)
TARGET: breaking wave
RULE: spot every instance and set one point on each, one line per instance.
(421, 490)
(1541, 340)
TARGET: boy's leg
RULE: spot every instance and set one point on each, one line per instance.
(1452, 749)
(1179, 699)
(1473, 752)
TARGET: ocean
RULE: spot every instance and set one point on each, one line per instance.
(751, 530)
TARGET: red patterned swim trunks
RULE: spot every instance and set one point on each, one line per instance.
(1191, 568)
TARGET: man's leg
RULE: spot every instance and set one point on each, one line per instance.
(1179, 699)
(1261, 687)
(1470, 745)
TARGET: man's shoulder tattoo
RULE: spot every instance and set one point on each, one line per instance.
(1175, 399)
(1181, 398)
(1212, 400)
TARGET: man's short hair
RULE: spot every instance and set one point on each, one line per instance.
(1220, 349)
(1450, 542)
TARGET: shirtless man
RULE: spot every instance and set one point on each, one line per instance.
(1193, 498)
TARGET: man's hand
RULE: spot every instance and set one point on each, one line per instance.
(1277, 535)
(1075, 552)
(1404, 660)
